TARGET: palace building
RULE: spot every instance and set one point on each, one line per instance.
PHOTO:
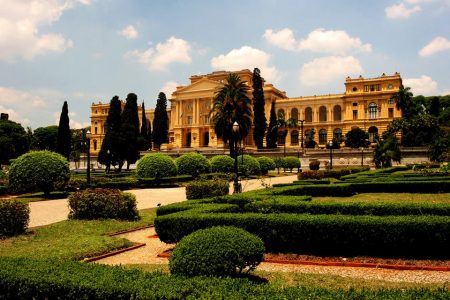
(366, 103)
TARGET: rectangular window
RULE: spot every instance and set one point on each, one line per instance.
(355, 115)
(377, 87)
(390, 112)
(189, 120)
(366, 88)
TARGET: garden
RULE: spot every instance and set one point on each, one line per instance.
(394, 213)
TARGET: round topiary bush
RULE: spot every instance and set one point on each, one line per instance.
(291, 162)
(266, 164)
(222, 164)
(103, 204)
(14, 217)
(156, 165)
(192, 164)
(314, 165)
(248, 165)
(39, 171)
(217, 251)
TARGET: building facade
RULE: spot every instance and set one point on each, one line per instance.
(366, 103)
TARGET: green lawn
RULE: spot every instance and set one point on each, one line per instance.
(72, 239)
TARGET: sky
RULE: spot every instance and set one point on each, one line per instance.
(85, 51)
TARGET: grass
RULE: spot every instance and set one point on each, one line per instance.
(388, 198)
(73, 239)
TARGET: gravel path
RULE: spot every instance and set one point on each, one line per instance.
(52, 211)
(148, 255)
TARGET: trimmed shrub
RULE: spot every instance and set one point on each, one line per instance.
(266, 164)
(192, 164)
(321, 190)
(310, 175)
(14, 217)
(156, 165)
(248, 165)
(199, 189)
(217, 251)
(119, 183)
(278, 163)
(314, 165)
(39, 171)
(221, 164)
(102, 203)
(291, 162)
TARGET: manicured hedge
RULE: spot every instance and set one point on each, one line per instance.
(248, 165)
(156, 165)
(291, 162)
(119, 183)
(14, 217)
(102, 203)
(31, 279)
(206, 188)
(192, 164)
(266, 164)
(222, 164)
(387, 236)
(323, 190)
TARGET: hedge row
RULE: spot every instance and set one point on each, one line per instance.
(207, 188)
(388, 236)
(14, 217)
(349, 189)
(30, 279)
(334, 173)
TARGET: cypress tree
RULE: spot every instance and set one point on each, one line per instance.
(272, 132)
(143, 136)
(160, 122)
(149, 134)
(63, 141)
(129, 132)
(259, 119)
(110, 151)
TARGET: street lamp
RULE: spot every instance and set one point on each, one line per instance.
(88, 152)
(330, 146)
(301, 142)
(362, 156)
(236, 185)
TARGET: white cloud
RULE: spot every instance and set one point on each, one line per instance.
(283, 39)
(20, 22)
(73, 124)
(158, 58)
(169, 88)
(320, 40)
(424, 85)
(324, 70)
(246, 58)
(438, 44)
(14, 116)
(332, 41)
(401, 11)
(129, 32)
(13, 96)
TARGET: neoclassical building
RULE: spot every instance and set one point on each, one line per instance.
(366, 103)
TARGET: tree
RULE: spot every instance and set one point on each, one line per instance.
(45, 138)
(149, 134)
(160, 122)
(404, 101)
(129, 132)
(13, 141)
(309, 141)
(64, 135)
(143, 140)
(76, 145)
(420, 130)
(386, 151)
(272, 132)
(259, 120)
(356, 138)
(110, 152)
(231, 104)
(435, 107)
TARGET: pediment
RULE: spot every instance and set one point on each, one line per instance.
(201, 85)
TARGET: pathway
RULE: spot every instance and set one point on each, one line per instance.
(148, 255)
(52, 211)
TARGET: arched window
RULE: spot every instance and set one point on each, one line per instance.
(294, 114)
(322, 114)
(373, 133)
(373, 110)
(322, 136)
(308, 115)
(337, 134)
(294, 137)
(281, 114)
(337, 113)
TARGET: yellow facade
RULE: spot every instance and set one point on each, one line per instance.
(365, 103)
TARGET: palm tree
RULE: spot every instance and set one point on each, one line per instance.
(232, 104)
(404, 100)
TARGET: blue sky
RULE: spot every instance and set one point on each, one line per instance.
(85, 51)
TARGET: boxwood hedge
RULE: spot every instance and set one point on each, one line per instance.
(32, 279)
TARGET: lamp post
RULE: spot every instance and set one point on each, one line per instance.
(301, 141)
(362, 156)
(236, 185)
(330, 146)
(88, 153)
